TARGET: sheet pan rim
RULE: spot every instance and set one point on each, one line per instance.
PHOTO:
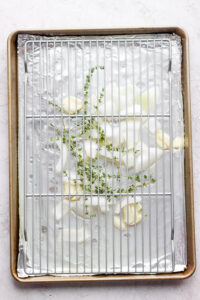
(13, 162)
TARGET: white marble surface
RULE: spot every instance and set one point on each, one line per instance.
(26, 14)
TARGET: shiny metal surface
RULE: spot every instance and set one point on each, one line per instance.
(51, 73)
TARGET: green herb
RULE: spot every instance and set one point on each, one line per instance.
(153, 180)
(65, 173)
(137, 178)
(91, 176)
(55, 105)
(109, 147)
(87, 84)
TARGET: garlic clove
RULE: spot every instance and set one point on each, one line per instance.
(129, 214)
(163, 139)
(124, 201)
(178, 142)
(119, 224)
(72, 105)
(70, 188)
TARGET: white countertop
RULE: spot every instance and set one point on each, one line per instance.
(24, 14)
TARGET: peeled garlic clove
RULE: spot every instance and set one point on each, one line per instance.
(178, 142)
(72, 105)
(129, 214)
(117, 223)
(124, 201)
(70, 188)
(163, 139)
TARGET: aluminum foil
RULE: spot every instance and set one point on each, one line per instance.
(44, 247)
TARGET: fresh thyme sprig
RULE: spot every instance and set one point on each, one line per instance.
(55, 105)
(94, 174)
(87, 84)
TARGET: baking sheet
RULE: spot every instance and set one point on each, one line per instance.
(25, 243)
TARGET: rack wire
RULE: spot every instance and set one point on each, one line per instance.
(55, 69)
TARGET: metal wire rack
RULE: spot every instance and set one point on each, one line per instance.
(81, 242)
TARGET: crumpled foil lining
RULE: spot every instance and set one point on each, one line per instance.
(44, 226)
